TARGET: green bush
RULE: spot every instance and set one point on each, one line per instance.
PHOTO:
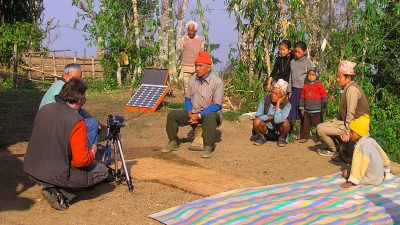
(175, 105)
(105, 84)
(232, 115)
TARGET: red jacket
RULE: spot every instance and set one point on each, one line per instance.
(313, 96)
(81, 155)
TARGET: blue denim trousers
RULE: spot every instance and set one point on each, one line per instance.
(92, 126)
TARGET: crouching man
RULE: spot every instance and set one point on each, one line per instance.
(203, 104)
(58, 157)
(271, 121)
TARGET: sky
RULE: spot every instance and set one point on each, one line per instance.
(65, 37)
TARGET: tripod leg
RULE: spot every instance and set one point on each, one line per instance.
(128, 179)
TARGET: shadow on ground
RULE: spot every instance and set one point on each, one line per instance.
(18, 109)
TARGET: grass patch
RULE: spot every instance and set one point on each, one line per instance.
(175, 105)
(232, 115)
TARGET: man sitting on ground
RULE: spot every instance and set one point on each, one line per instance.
(271, 121)
(370, 162)
(203, 104)
(72, 70)
(57, 157)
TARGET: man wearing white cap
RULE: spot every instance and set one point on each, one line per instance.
(353, 104)
(271, 121)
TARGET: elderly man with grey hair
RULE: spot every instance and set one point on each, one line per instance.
(271, 121)
(72, 70)
(191, 44)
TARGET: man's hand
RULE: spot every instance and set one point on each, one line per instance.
(94, 149)
(289, 95)
(280, 101)
(193, 118)
(345, 137)
(269, 87)
(347, 185)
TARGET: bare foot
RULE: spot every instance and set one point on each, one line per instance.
(346, 173)
(346, 185)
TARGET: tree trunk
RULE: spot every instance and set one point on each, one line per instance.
(138, 64)
(164, 33)
(244, 50)
(119, 74)
(158, 28)
(252, 58)
(180, 15)
(204, 25)
(283, 19)
(267, 56)
(171, 43)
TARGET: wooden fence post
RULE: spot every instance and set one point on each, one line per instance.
(93, 67)
(54, 64)
(83, 63)
(41, 55)
(30, 66)
(15, 66)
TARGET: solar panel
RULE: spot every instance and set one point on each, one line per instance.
(147, 98)
(155, 76)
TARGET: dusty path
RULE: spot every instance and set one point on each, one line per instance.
(235, 159)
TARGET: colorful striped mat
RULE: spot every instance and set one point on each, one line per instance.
(316, 200)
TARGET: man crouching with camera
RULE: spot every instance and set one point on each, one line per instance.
(58, 157)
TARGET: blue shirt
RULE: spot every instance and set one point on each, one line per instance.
(279, 115)
(50, 95)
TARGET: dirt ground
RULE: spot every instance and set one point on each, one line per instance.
(160, 180)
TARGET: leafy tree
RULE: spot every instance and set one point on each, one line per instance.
(120, 27)
(18, 26)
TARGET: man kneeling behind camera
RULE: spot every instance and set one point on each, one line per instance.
(58, 157)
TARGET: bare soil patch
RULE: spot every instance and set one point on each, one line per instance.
(160, 180)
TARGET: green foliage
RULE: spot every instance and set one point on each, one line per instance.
(175, 105)
(239, 85)
(27, 36)
(232, 115)
(8, 83)
(100, 85)
(111, 28)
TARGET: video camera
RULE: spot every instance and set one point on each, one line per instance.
(114, 123)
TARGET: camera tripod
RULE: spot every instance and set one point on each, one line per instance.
(114, 137)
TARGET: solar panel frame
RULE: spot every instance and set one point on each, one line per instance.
(155, 76)
(147, 98)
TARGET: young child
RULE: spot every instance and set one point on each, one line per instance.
(299, 67)
(281, 68)
(313, 103)
(370, 162)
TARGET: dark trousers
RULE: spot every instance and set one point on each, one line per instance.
(180, 118)
(309, 119)
(96, 173)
